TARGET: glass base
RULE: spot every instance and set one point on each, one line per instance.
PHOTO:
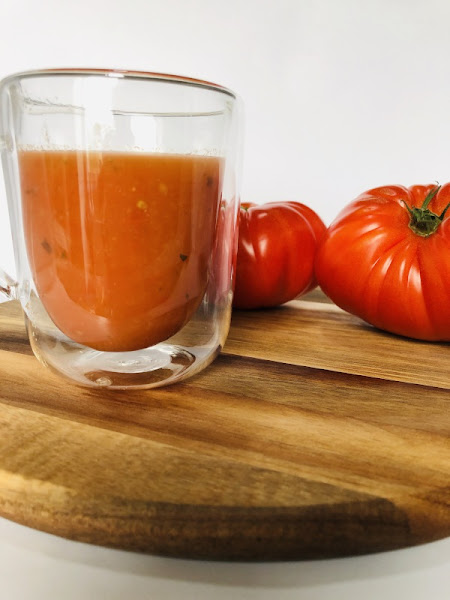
(184, 354)
(134, 369)
(150, 367)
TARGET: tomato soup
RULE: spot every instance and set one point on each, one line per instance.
(119, 243)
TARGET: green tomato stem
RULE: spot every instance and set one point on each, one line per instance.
(423, 221)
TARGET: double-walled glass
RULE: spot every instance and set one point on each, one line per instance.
(123, 197)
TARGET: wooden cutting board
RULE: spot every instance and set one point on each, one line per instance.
(313, 435)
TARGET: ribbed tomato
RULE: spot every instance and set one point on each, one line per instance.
(277, 247)
(386, 259)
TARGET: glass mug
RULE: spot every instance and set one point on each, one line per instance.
(123, 197)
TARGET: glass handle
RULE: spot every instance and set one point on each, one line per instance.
(8, 287)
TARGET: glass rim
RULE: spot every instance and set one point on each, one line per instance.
(119, 74)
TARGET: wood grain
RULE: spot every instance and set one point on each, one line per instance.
(312, 435)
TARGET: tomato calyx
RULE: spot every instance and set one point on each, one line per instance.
(423, 221)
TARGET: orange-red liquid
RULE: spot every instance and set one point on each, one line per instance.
(119, 243)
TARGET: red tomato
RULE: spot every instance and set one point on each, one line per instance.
(386, 259)
(275, 260)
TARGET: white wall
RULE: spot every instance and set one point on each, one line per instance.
(340, 95)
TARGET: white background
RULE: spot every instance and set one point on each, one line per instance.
(340, 96)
